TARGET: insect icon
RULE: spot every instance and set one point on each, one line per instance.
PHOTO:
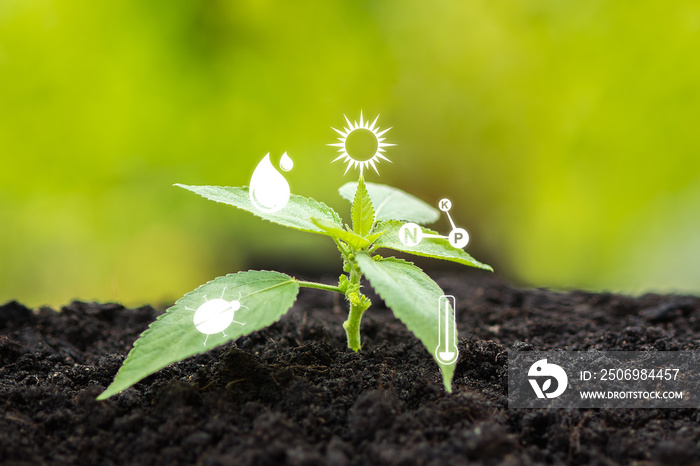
(216, 315)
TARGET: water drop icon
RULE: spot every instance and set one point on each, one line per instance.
(286, 163)
(269, 190)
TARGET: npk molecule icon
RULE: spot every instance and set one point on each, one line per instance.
(411, 234)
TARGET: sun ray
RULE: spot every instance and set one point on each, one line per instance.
(371, 127)
(382, 133)
(339, 132)
(350, 125)
(374, 166)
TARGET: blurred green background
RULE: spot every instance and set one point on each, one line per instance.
(565, 133)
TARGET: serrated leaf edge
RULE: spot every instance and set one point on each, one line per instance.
(468, 262)
(396, 191)
(138, 341)
(358, 211)
(347, 233)
(334, 213)
(381, 295)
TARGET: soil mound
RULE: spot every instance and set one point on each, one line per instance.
(294, 394)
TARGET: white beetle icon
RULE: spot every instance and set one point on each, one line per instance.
(215, 315)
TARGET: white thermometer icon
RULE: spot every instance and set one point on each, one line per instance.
(446, 351)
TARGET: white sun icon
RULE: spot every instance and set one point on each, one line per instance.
(361, 145)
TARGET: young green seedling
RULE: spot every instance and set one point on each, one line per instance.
(195, 324)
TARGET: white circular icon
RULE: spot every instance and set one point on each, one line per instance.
(410, 234)
(445, 205)
(459, 238)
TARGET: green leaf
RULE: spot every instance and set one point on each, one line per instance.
(296, 214)
(393, 204)
(437, 248)
(413, 297)
(373, 237)
(264, 297)
(362, 210)
(354, 240)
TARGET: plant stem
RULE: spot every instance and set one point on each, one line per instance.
(352, 327)
(358, 305)
(319, 286)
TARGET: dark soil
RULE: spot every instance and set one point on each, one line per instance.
(294, 394)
